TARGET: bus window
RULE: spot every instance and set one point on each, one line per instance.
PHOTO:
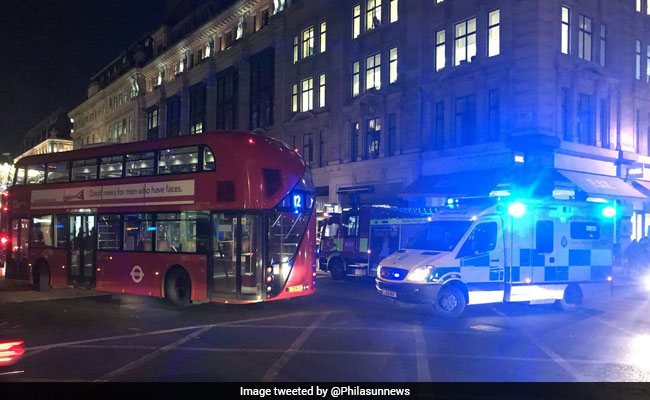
(24, 238)
(15, 244)
(483, 239)
(57, 172)
(179, 160)
(208, 159)
(61, 231)
(84, 170)
(544, 237)
(110, 167)
(36, 174)
(138, 229)
(108, 232)
(20, 176)
(139, 164)
(42, 231)
(251, 254)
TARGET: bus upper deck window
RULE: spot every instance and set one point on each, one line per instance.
(57, 172)
(20, 176)
(179, 160)
(208, 159)
(139, 164)
(36, 174)
(84, 170)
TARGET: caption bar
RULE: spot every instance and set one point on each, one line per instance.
(324, 392)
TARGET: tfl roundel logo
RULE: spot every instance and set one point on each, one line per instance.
(137, 274)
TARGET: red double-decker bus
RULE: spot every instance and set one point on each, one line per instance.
(223, 216)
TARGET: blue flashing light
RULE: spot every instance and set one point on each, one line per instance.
(609, 212)
(517, 210)
(450, 201)
(151, 228)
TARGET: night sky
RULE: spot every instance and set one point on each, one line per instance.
(49, 50)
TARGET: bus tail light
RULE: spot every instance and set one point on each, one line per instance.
(10, 352)
(4, 240)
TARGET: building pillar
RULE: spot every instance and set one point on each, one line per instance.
(243, 112)
(185, 110)
(211, 99)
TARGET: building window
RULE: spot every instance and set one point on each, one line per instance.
(439, 132)
(603, 44)
(638, 60)
(638, 131)
(294, 98)
(197, 108)
(323, 37)
(494, 33)
(584, 38)
(356, 77)
(307, 149)
(173, 116)
(308, 42)
(465, 41)
(392, 134)
(586, 120)
(440, 50)
(227, 98)
(373, 72)
(566, 107)
(466, 120)
(321, 147)
(321, 90)
(566, 30)
(638, 5)
(494, 115)
(392, 65)
(604, 123)
(262, 88)
(373, 14)
(307, 95)
(647, 63)
(354, 141)
(356, 21)
(373, 134)
(296, 50)
(394, 11)
(152, 123)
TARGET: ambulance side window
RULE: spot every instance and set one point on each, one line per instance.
(544, 237)
(483, 239)
(585, 230)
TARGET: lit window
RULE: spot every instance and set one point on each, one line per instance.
(308, 42)
(392, 65)
(465, 41)
(394, 16)
(296, 50)
(356, 21)
(373, 14)
(584, 38)
(355, 79)
(494, 33)
(307, 95)
(648, 63)
(373, 72)
(603, 44)
(566, 29)
(294, 98)
(321, 90)
(440, 50)
(323, 37)
(373, 135)
(638, 5)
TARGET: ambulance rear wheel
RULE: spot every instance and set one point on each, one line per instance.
(450, 302)
(571, 300)
(337, 269)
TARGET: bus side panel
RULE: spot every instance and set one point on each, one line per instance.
(56, 259)
(143, 273)
(304, 266)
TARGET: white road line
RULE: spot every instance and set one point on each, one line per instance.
(498, 312)
(273, 371)
(611, 325)
(37, 349)
(424, 374)
(122, 370)
(575, 374)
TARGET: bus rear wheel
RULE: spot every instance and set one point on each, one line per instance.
(337, 269)
(450, 302)
(571, 299)
(178, 287)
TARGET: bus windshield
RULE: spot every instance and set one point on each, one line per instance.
(439, 235)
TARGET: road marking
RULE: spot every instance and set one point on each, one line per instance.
(499, 312)
(609, 324)
(120, 371)
(424, 374)
(577, 375)
(37, 349)
(273, 371)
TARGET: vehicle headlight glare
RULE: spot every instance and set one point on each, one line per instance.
(646, 283)
(420, 274)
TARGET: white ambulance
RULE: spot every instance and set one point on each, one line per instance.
(517, 251)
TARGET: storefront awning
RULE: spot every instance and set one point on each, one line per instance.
(602, 185)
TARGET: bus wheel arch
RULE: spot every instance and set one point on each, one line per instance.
(41, 275)
(177, 286)
(571, 298)
(336, 266)
(451, 300)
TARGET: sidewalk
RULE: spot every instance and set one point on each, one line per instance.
(15, 291)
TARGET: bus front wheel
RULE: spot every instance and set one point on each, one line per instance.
(450, 302)
(178, 287)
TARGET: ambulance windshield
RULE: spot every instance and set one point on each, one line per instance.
(439, 235)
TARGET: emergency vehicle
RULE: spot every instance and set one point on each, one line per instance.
(549, 251)
(353, 243)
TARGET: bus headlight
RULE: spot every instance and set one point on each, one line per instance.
(420, 274)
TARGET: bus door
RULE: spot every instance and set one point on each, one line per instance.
(18, 268)
(81, 257)
(237, 258)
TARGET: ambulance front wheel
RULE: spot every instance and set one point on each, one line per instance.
(450, 303)
(571, 300)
